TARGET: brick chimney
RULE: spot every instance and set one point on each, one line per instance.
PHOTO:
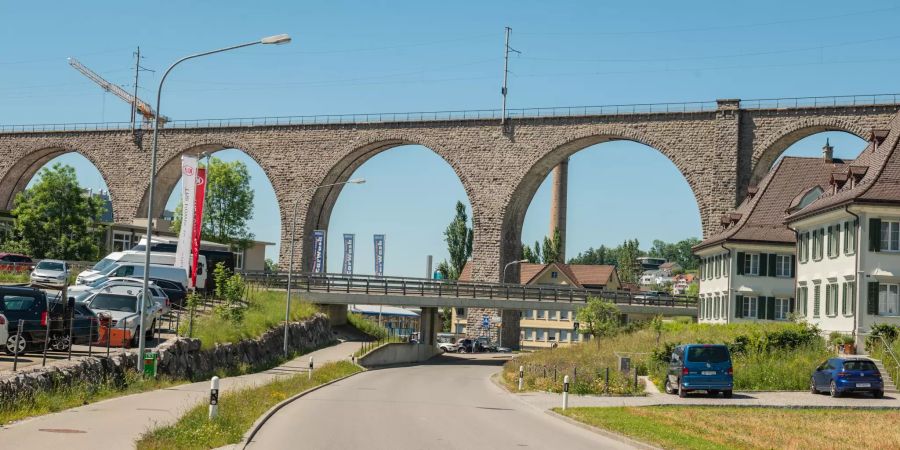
(828, 152)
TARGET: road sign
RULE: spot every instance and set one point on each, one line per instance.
(496, 319)
(485, 321)
(575, 326)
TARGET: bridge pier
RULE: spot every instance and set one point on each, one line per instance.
(429, 325)
(337, 314)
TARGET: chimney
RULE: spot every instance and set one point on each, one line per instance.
(828, 152)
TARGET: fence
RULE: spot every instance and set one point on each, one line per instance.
(588, 380)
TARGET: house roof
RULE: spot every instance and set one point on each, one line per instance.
(581, 274)
(761, 217)
(669, 265)
(877, 169)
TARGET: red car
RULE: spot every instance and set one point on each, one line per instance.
(13, 262)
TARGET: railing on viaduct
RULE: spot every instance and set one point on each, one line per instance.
(423, 287)
(479, 114)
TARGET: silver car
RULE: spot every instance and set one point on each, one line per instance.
(50, 272)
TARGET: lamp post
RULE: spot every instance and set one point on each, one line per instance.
(277, 40)
(510, 264)
(287, 302)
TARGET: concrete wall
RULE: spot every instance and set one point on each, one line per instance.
(390, 354)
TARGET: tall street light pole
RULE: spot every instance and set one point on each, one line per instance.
(510, 264)
(287, 302)
(277, 39)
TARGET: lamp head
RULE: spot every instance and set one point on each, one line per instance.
(357, 181)
(278, 39)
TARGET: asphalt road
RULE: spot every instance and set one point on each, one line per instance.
(449, 403)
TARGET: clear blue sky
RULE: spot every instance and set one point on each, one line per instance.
(414, 56)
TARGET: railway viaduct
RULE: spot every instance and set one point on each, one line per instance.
(721, 148)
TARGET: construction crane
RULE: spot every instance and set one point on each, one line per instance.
(142, 107)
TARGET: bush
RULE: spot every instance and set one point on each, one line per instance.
(366, 326)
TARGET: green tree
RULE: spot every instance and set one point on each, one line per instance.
(656, 324)
(55, 219)
(552, 248)
(271, 266)
(626, 261)
(458, 236)
(693, 289)
(447, 271)
(228, 207)
(532, 256)
(598, 319)
(601, 255)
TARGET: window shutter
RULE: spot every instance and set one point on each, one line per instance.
(772, 261)
(738, 306)
(763, 264)
(791, 306)
(872, 300)
(874, 235)
(740, 263)
(761, 307)
(793, 266)
(828, 237)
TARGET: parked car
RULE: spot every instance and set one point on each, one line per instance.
(700, 367)
(14, 262)
(174, 291)
(839, 376)
(84, 325)
(122, 285)
(472, 346)
(4, 329)
(31, 306)
(448, 347)
(50, 272)
(123, 310)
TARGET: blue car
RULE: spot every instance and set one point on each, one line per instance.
(839, 376)
(700, 367)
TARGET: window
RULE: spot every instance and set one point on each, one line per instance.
(239, 260)
(782, 308)
(751, 264)
(831, 301)
(783, 266)
(850, 237)
(818, 243)
(541, 335)
(17, 303)
(460, 329)
(888, 298)
(834, 248)
(816, 298)
(121, 241)
(461, 312)
(563, 335)
(542, 314)
(717, 263)
(802, 293)
(575, 336)
(890, 236)
(529, 334)
(124, 271)
(554, 274)
(716, 313)
(849, 297)
(803, 247)
(724, 306)
(750, 307)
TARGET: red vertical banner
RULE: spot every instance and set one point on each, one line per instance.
(198, 224)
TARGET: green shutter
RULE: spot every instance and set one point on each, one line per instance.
(763, 264)
(791, 306)
(793, 266)
(874, 235)
(872, 300)
(740, 263)
(770, 308)
(738, 306)
(760, 307)
(828, 238)
(773, 258)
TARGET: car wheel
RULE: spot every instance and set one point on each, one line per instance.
(16, 344)
(727, 394)
(461, 350)
(834, 391)
(668, 387)
(878, 394)
(60, 343)
(681, 391)
(812, 386)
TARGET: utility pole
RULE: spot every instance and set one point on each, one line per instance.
(504, 90)
(137, 71)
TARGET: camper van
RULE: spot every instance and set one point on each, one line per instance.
(136, 270)
(211, 254)
(114, 258)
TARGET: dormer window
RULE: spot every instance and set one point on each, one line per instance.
(804, 199)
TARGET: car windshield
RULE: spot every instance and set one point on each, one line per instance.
(104, 264)
(711, 354)
(50, 265)
(859, 365)
(114, 303)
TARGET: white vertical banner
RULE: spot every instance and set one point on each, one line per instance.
(188, 203)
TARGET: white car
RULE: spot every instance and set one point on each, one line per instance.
(4, 329)
(121, 285)
(448, 347)
(123, 310)
(50, 272)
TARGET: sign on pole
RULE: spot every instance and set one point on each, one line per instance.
(379, 255)
(188, 204)
(318, 251)
(349, 248)
(485, 321)
(200, 197)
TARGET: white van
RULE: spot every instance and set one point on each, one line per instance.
(106, 264)
(136, 270)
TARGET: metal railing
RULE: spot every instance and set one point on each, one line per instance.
(475, 114)
(890, 352)
(423, 287)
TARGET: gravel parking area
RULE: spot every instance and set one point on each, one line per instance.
(35, 359)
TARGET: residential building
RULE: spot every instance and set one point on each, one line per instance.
(682, 282)
(650, 262)
(848, 228)
(747, 270)
(398, 321)
(541, 327)
(670, 268)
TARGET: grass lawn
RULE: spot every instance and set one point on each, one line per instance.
(747, 428)
(237, 412)
(71, 396)
(265, 312)
(15, 277)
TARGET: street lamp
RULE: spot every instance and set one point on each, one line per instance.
(287, 302)
(277, 39)
(510, 264)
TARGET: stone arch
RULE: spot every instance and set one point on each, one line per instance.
(765, 155)
(21, 172)
(320, 203)
(559, 150)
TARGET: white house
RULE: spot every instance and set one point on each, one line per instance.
(848, 276)
(747, 270)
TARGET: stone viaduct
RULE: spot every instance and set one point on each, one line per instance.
(720, 149)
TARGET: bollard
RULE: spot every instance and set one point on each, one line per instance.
(607, 380)
(310, 367)
(46, 342)
(566, 392)
(521, 376)
(71, 333)
(213, 398)
(124, 331)
(91, 339)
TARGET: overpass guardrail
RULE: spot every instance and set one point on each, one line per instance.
(424, 287)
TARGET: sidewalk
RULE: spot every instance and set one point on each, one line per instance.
(119, 422)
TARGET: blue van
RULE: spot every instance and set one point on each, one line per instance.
(700, 367)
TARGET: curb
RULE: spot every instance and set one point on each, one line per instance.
(249, 435)
(603, 432)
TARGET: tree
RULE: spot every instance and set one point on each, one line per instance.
(458, 236)
(55, 219)
(228, 206)
(601, 255)
(626, 261)
(552, 248)
(532, 256)
(447, 271)
(656, 324)
(598, 319)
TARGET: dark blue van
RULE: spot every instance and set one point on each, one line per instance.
(700, 367)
